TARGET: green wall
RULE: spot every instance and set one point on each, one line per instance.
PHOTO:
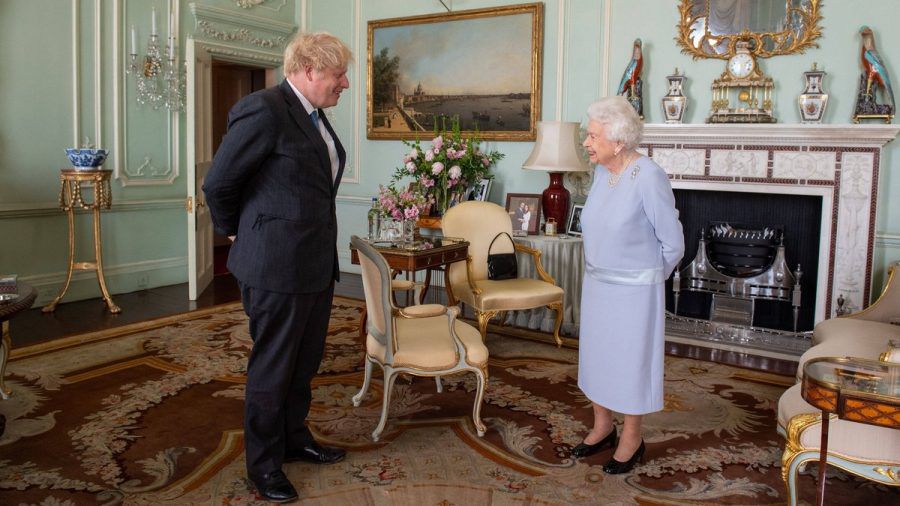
(55, 98)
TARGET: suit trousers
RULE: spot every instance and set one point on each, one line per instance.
(288, 332)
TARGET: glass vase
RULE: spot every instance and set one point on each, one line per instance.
(408, 228)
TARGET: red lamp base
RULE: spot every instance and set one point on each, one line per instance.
(555, 201)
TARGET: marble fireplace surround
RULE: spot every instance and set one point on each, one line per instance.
(840, 163)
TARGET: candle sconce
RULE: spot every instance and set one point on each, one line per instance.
(158, 81)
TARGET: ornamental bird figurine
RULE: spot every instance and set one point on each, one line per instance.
(633, 71)
(874, 75)
(631, 84)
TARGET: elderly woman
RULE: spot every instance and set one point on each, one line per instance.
(632, 242)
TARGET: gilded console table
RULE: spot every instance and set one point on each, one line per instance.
(72, 184)
(855, 389)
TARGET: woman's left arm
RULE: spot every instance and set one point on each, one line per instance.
(659, 206)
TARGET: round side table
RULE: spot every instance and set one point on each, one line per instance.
(8, 310)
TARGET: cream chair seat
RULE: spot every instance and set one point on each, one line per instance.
(869, 451)
(421, 340)
(479, 223)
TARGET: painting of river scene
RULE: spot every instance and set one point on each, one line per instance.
(479, 67)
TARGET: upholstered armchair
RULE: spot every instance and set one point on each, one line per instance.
(478, 223)
(421, 340)
(869, 451)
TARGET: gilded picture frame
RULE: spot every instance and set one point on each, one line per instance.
(482, 66)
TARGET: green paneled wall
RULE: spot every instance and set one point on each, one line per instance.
(53, 98)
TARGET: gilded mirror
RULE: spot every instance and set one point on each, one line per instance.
(710, 28)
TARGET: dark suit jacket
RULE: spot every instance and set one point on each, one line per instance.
(270, 185)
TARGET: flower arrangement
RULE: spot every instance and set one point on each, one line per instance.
(400, 204)
(446, 169)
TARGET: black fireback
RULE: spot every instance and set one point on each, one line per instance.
(798, 216)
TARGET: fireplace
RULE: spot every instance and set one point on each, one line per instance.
(820, 182)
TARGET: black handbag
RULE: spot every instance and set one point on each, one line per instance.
(502, 265)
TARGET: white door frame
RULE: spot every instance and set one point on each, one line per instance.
(199, 145)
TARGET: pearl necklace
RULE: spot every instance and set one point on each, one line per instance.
(613, 179)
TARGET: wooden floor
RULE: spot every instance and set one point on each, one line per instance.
(71, 318)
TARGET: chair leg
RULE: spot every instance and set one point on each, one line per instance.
(357, 399)
(480, 376)
(558, 307)
(389, 377)
(483, 318)
(440, 387)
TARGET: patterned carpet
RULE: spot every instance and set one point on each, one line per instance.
(151, 414)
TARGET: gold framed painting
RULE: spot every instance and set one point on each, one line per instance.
(482, 66)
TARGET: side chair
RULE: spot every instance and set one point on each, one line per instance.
(420, 340)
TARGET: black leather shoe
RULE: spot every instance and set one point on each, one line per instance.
(274, 487)
(583, 449)
(616, 467)
(316, 453)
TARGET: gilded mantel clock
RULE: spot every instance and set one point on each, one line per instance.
(742, 94)
(742, 32)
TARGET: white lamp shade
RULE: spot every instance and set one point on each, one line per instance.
(556, 148)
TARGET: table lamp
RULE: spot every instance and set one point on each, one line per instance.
(556, 151)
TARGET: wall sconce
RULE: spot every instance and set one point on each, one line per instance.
(158, 82)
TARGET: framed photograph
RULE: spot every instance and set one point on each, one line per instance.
(524, 212)
(482, 66)
(480, 190)
(574, 227)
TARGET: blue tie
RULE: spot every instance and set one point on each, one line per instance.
(315, 118)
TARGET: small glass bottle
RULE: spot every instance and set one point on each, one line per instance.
(374, 220)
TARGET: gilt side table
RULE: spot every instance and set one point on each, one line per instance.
(72, 184)
(8, 309)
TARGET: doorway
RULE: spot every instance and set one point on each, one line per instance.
(230, 82)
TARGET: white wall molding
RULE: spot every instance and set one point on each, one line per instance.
(133, 276)
(561, 53)
(223, 25)
(145, 173)
(352, 200)
(76, 74)
(51, 209)
(357, 106)
(874, 135)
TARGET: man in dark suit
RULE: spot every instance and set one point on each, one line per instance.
(272, 189)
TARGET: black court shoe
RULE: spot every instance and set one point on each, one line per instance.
(584, 450)
(616, 467)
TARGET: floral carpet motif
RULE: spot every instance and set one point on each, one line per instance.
(151, 414)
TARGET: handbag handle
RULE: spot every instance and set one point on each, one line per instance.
(498, 235)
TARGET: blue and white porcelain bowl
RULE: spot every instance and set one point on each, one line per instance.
(86, 159)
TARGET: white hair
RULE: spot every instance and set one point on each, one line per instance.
(621, 121)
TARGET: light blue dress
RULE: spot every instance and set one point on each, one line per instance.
(632, 242)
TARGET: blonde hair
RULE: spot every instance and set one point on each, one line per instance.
(320, 50)
(620, 119)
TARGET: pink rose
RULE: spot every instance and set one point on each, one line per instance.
(437, 142)
(413, 154)
(437, 168)
(410, 167)
(455, 172)
(429, 155)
